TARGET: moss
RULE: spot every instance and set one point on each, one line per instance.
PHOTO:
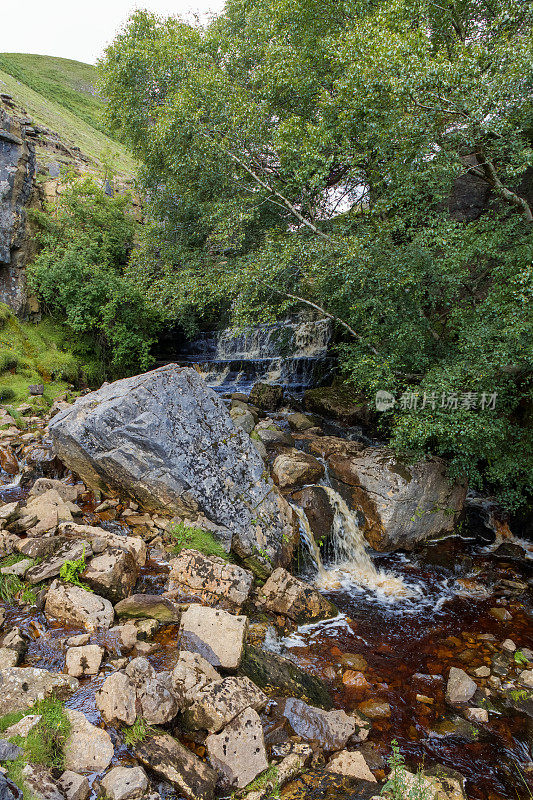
(186, 538)
(138, 732)
(43, 353)
(5, 314)
(45, 742)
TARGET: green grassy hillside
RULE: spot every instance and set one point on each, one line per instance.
(60, 94)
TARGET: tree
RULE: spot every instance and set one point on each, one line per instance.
(79, 276)
(304, 152)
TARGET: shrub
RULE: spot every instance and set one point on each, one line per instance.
(6, 394)
(79, 277)
(60, 366)
(8, 360)
(399, 786)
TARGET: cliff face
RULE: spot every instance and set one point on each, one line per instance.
(18, 192)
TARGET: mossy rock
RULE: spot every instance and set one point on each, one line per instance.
(278, 676)
(340, 403)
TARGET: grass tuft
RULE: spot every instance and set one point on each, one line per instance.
(186, 538)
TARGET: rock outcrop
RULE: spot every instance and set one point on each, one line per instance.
(17, 171)
(166, 440)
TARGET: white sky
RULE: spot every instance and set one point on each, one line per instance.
(78, 29)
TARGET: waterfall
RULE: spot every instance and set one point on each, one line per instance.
(350, 561)
(291, 353)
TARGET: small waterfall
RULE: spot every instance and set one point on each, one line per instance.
(350, 560)
(291, 353)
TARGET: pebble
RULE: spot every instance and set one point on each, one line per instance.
(482, 672)
(509, 645)
(477, 714)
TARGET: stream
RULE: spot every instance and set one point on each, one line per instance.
(404, 620)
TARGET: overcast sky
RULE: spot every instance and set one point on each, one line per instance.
(78, 29)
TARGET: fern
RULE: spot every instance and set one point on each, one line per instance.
(398, 785)
(71, 571)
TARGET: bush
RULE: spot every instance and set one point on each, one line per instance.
(58, 365)
(79, 277)
(6, 394)
(8, 360)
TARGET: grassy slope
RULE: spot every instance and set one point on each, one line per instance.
(33, 354)
(59, 94)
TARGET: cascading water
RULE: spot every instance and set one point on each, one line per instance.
(349, 562)
(294, 354)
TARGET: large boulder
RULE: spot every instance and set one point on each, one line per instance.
(17, 192)
(218, 703)
(88, 748)
(216, 635)
(330, 729)
(402, 504)
(294, 468)
(167, 440)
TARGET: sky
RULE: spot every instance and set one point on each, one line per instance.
(79, 29)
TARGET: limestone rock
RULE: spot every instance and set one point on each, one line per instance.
(125, 783)
(238, 752)
(117, 699)
(284, 594)
(330, 729)
(112, 574)
(78, 606)
(74, 786)
(168, 441)
(88, 748)
(9, 751)
(23, 727)
(158, 704)
(352, 764)
(40, 783)
(210, 579)
(402, 504)
(50, 509)
(69, 494)
(100, 539)
(300, 422)
(50, 567)
(86, 660)
(190, 675)
(179, 766)
(214, 634)
(221, 701)
(149, 606)
(294, 468)
(8, 658)
(460, 688)
(21, 687)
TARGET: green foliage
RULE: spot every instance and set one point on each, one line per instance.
(45, 742)
(79, 276)
(60, 366)
(186, 538)
(398, 786)
(5, 314)
(269, 780)
(71, 570)
(12, 586)
(520, 658)
(138, 732)
(251, 132)
(7, 393)
(8, 361)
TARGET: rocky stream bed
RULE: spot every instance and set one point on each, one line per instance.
(249, 681)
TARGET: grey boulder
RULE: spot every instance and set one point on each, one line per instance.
(168, 441)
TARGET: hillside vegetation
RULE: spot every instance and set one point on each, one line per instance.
(60, 94)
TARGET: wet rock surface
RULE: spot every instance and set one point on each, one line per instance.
(389, 667)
